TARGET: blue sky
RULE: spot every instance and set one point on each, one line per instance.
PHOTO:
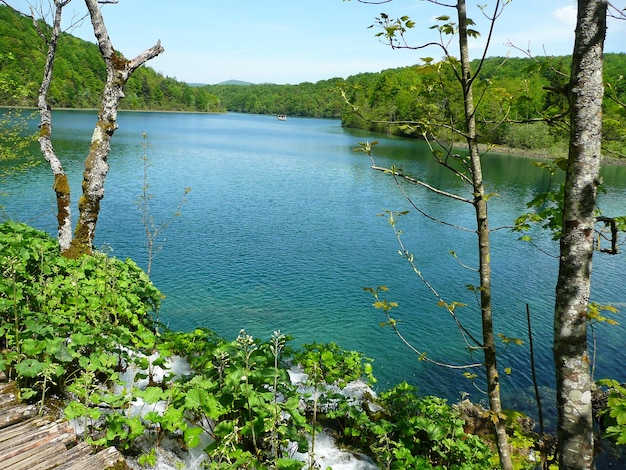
(293, 41)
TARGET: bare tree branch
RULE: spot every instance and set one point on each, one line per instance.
(400, 174)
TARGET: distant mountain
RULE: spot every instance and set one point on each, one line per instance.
(227, 82)
(235, 82)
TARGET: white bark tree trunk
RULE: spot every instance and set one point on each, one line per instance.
(119, 71)
(575, 425)
(61, 185)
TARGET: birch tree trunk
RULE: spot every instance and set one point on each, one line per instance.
(61, 186)
(484, 249)
(119, 71)
(575, 425)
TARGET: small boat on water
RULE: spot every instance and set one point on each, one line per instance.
(282, 117)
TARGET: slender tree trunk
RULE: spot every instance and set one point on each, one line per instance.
(119, 71)
(575, 425)
(482, 222)
(61, 185)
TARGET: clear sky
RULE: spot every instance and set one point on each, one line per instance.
(293, 41)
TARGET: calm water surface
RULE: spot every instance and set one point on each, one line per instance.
(281, 231)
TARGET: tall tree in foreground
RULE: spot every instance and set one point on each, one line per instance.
(119, 71)
(470, 172)
(482, 230)
(571, 357)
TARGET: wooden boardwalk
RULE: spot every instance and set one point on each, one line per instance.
(31, 442)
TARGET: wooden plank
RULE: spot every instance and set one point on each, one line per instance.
(79, 451)
(105, 459)
(10, 432)
(36, 436)
(42, 438)
(15, 414)
(28, 442)
(111, 458)
(35, 456)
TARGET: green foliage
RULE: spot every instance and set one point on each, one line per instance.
(305, 99)
(68, 328)
(14, 142)
(594, 314)
(529, 136)
(404, 430)
(393, 30)
(257, 407)
(546, 212)
(79, 74)
(424, 99)
(615, 422)
(546, 208)
(61, 319)
(329, 364)
(14, 138)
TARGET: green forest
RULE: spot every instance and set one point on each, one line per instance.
(80, 74)
(521, 105)
(522, 100)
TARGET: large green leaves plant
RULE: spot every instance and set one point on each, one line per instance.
(56, 312)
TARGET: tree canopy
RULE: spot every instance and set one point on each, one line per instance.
(525, 90)
(80, 74)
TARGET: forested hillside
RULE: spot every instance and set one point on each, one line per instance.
(515, 109)
(321, 99)
(79, 74)
(521, 101)
(522, 104)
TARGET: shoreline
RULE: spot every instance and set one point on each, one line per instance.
(541, 154)
(34, 108)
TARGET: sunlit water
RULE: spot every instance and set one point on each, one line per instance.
(280, 231)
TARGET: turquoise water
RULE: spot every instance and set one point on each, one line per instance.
(280, 231)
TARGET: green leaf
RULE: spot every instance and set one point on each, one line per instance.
(191, 436)
(195, 398)
(288, 464)
(136, 427)
(151, 395)
(57, 348)
(33, 347)
(30, 368)
(74, 410)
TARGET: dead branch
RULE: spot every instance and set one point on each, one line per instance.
(612, 224)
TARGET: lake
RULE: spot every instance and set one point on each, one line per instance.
(281, 232)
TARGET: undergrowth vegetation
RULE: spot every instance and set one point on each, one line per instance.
(81, 335)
